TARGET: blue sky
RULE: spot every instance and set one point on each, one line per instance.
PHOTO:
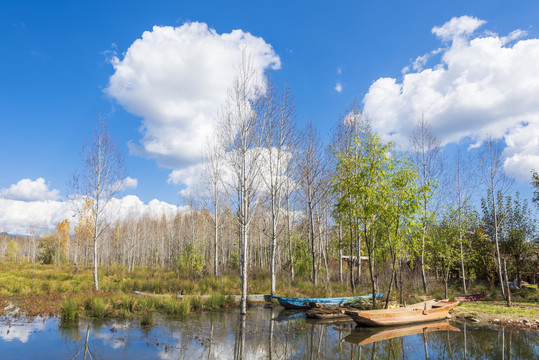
(57, 64)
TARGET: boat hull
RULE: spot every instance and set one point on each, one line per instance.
(307, 303)
(423, 312)
(475, 297)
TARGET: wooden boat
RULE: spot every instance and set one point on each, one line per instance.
(307, 303)
(325, 313)
(474, 297)
(363, 336)
(426, 311)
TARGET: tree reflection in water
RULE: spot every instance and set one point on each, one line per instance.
(224, 335)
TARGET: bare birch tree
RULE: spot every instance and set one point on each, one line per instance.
(462, 184)
(312, 167)
(277, 115)
(213, 179)
(242, 133)
(100, 178)
(490, 173)
(425, 148)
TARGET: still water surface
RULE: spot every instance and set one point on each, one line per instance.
(224, 335)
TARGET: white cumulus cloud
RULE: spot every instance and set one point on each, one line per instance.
(338, 87)
(30, 190)
(176, 79)
(128, 183)
(458, 27)
(131, 207)
(481, 85)
(39, 217)
(26, 217)
(196, 179)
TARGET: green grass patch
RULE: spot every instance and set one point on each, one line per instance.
(70, 311)
(215, 302)
(147, 320)
(196, 303)
(57, 289)
(98, 308)
(528, 310)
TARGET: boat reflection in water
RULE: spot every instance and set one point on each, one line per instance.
(229, 335)
(363, 336)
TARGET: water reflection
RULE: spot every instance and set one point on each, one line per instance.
(20, 329)
(228, 335)
(363, 336)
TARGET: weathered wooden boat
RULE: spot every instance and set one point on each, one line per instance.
(474, 297)
(426, 311)
(364, 336)
(307, 303)
(324, 313)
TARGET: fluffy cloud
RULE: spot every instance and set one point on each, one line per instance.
(176, 79)
(189, 177)
(481, 85)
(338, 87)
(25, 217)
(130, 206)
(457, 28)
(28, 190)
(128, 183)
(193, 177)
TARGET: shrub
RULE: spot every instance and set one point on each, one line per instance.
(147, 320)
(172, 306)
(99, 308)
(196, 303)
(70, 311)
(184, 307)
(215, 302)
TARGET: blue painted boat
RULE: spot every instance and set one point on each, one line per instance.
(307, 303)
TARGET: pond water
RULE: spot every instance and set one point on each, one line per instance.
(227, 335)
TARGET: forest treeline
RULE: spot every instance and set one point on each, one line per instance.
(273, 198)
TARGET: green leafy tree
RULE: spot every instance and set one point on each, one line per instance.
(48, 248)
(190, 262)
(535, 186)
(362, 186)
(445, 244)
(520, 232)
(402, 200)
(347, 221)
(12, 250)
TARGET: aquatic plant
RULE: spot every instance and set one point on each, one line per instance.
(98, 308)
(214, 302)
(184, 307)
(147, 320)
(196, 303)
(70, 311)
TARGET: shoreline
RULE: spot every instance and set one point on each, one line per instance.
(521, 316)
(494, 313)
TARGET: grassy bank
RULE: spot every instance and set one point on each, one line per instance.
(519, 316)
(68, 291)
(524, 310)
(20, 279)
